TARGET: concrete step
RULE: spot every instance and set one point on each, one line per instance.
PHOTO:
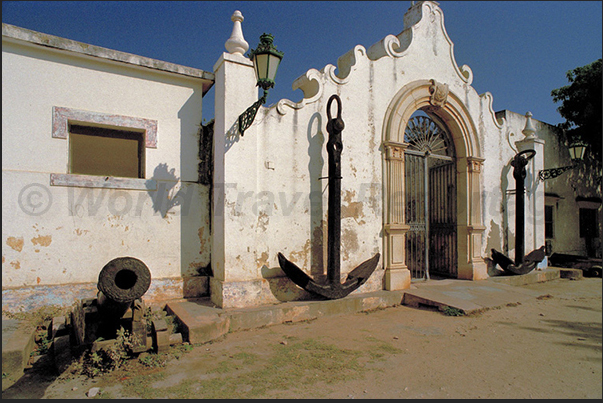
(17, 345)
(474, 296)
(204, 323)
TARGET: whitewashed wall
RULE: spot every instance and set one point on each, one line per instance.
(273, 198)
(64, 235)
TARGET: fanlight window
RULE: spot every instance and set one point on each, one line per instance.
(425, 135)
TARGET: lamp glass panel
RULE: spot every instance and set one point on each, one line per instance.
(273, 66)
(261, 65)
(572, 152)
(577, 152)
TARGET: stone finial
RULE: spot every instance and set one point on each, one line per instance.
(236, 43)
(529, 130)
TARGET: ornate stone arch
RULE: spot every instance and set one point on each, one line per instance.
(435, 99)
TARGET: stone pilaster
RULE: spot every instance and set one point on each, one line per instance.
(470, 228)
(397, 275)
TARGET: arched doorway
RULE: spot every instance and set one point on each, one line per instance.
(450, 114)
(430, 188)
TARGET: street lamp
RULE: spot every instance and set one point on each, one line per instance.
(577, 149)
(266, 60)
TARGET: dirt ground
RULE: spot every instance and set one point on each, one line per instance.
(549, 347)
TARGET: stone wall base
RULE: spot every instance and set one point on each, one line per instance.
(473, 271)
(397, 279)
(274, 290)
(161, 290)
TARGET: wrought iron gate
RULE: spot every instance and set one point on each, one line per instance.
(431, 242)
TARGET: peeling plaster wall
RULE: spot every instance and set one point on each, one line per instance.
(583, 181)
(275, 201)
(59, 235)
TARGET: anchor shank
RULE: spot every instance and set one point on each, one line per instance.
(334, 215)
(334, 148)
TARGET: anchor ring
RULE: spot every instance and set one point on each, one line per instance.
(336, 124)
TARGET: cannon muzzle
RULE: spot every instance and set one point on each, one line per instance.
(121, 282)
(124, 279)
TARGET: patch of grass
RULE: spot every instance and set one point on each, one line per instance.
(151, 360)
(388, 348)
(297, 365)
(141, 385)
(247, 358)
(450, 311)
(181, 349)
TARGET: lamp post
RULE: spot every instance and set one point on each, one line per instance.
(577, 149)
(266, 60)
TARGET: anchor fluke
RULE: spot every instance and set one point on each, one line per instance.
(528, 264)
(354, 280)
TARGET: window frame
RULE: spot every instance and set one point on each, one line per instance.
(551, 221)
(588, 219)
(63, 118)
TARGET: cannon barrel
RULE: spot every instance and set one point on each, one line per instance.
(120, 282)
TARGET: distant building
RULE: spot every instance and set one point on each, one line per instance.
(104, 156)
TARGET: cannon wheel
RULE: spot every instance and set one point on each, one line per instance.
(124, 279)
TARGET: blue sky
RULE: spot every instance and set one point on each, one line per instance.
(518, 50)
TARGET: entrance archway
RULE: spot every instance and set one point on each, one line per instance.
(430, 188)
(444, 106)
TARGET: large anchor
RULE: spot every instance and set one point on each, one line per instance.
(522, 265)
(333, 289)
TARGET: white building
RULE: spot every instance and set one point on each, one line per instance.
(265, 189)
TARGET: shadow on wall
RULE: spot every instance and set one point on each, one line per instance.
(316, 140)
(165, 197)
(283, 289)
(494, 241)
(504, 187)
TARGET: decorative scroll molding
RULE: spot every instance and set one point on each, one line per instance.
(346, 64)
(439, 93)
(487, 96)
(312, 83)
(391, 46)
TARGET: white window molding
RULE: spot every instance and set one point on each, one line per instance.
(107, 182)
(62, 117)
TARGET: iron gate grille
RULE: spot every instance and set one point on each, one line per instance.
(415, 216)
(442, 220)
(430, 189)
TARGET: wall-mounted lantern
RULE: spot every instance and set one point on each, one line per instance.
(266, 60)
(577, 150)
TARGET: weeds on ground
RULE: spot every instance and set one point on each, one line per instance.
(450, 311)
(106, 359)
(152, 314)
(248, 375)
(150, 360)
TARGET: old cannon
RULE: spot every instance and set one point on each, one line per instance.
(118, 304)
